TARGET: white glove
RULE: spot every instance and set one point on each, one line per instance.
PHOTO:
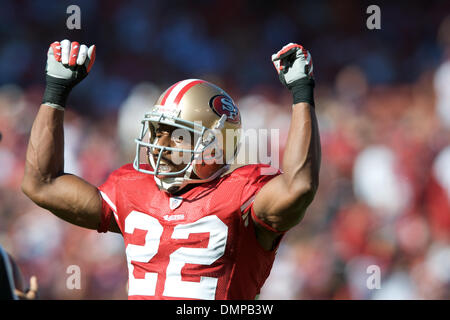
(295, 70)
(292, 63)
(67, 64)
(63, 58)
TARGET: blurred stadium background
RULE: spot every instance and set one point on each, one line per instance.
(383, 103)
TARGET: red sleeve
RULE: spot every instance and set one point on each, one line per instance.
(262, 223)
(257, 178)
(105, 219)
(109, 205)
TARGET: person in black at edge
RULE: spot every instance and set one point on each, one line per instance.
(11, 279)
(6, 277)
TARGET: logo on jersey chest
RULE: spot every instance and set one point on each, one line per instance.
(173, 217)
(175, 202)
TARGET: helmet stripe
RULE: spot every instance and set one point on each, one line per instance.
(163, 101)
(185, 89)
(176, 92)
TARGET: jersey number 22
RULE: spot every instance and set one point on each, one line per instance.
(174, 286)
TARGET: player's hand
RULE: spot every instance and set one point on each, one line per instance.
(31, 292)
(295, 70)
(292, 63)
(68, 63)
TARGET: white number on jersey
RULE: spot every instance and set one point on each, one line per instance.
(174, 286)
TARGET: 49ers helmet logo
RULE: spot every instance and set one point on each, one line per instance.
(222, 104)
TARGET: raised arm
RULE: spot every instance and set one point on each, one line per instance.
(45, 182)
(282, 202)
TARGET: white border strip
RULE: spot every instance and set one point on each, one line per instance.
(246, 205)
(111, 204)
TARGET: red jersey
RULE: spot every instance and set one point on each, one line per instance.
(200, 245)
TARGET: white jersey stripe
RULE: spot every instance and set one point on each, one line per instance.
(111, 204)
(247, 204)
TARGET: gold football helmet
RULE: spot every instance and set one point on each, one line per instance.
(207, 132)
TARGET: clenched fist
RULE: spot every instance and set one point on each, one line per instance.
(295, 70)
(67, 64)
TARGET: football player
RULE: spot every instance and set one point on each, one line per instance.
(192, 229)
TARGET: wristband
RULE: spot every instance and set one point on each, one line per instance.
(56, 91)
(302, 90)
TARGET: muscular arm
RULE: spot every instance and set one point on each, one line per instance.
(67, 196)
(282, 202)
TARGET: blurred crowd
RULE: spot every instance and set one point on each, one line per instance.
(383, 106)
